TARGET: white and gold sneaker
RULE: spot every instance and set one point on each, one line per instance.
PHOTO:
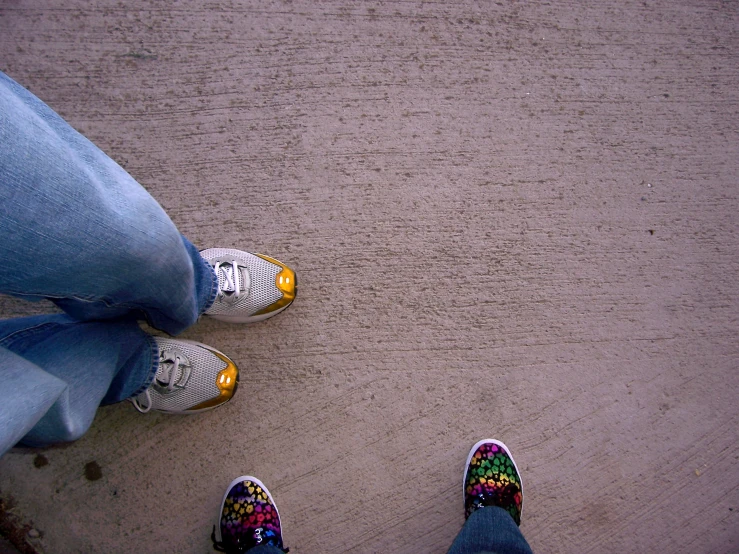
(191, 377)
(251, 287)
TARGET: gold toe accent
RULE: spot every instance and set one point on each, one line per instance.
(227, 381)
(286, 282)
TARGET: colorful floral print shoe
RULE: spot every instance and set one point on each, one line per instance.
(248, 518)
(251, 287)
(492, 479)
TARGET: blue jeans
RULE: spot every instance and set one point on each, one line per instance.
(76, 229)
(488, 530)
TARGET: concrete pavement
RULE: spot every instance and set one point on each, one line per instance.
(512, 220)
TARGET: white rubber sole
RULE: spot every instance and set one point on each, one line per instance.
(248, 319)
(254, 480)
(469, 459)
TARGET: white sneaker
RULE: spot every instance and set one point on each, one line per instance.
(191, 377)
(251, 287)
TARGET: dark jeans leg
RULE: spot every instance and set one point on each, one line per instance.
(490, 530)
(266, 549)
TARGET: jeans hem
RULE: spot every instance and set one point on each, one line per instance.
(154, 353)
(213, 287)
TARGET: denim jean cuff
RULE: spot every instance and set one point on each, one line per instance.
(213, 287)
(154, 353)
(206, 281)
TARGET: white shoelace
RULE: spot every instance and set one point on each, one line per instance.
(232, 281)
(171, 380)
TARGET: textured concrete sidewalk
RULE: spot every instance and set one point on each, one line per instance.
(512, 220)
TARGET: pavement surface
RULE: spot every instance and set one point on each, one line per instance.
(509, 219)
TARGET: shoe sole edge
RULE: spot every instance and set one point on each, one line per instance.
(248, 319)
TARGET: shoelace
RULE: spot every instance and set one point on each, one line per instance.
(164, 358)
(231, 280)
(249, 543)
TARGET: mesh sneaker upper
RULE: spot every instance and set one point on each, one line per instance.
(262, 291)
(200, 386)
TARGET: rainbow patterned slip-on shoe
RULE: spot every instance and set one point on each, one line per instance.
(248, 518)
(492, 479)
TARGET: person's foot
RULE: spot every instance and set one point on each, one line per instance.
(492, 479)
(191, 377)
(251, 287)
(248, 518)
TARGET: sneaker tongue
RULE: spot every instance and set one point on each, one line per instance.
(167, 365)
(228, 282)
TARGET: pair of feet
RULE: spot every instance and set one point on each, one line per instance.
(249, 516)
(192, 377)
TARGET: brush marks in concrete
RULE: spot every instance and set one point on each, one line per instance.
(509, 219)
